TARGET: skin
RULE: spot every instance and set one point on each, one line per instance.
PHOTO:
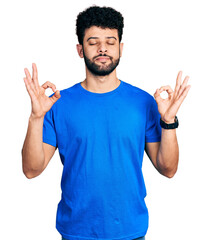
(97, 42)
(35, 153)
(165, 154)
(106, 41)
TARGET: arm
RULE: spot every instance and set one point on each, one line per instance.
(165, 154)
(36, 154)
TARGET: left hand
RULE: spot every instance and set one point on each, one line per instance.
(168, 107)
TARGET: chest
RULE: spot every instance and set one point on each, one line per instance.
(100, 120)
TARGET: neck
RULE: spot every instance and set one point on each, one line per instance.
(100, 84)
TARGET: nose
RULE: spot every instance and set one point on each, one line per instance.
(102, 48)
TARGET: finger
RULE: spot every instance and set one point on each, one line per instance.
(178, 82)
(35, 72)
(182, 87)
(35, 75)
(27, 74)
(184, 94)
(49, 85)
(29, 87)
(56, 96)
(29, 79)
(167, 88)
(157, 96)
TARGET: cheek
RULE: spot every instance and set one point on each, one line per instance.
(89, 53)
(116, 53)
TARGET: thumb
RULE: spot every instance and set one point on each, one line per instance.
(56, 96)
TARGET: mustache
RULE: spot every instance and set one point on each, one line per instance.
(103, 55)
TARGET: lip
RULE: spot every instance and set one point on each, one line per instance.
(102, 59)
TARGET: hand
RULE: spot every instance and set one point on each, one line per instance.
(168, 107)
(40, 102)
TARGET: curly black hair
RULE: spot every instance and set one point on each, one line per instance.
(104, 17)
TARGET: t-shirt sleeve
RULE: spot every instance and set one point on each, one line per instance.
(153, 128)
(49, 133)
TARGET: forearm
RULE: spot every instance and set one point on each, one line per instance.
(168, 154)
(32, 152)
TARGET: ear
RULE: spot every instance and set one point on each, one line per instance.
(80, 50)
(121, 48)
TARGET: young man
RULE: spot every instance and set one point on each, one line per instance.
(101, 127)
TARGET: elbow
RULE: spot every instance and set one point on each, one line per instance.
(28, 175)
(169, 173)
(168, 168)
(31, 170)
(31, 173)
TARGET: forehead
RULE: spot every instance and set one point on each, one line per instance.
(100, 32)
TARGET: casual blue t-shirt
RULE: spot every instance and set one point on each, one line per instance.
(101, 139)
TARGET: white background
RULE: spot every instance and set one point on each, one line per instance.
(161, 38)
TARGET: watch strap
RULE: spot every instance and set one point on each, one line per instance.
(169, 125)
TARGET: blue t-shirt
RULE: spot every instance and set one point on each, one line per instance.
(101, 139)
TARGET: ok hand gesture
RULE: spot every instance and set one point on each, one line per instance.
(168, 107)
(40, 102)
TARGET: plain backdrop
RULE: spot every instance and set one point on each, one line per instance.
(160, 39)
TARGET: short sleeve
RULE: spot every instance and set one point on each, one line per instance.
(49, 134)
(153, 128)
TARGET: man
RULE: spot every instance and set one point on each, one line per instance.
(101, 127)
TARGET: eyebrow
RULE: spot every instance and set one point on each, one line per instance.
(98, 38)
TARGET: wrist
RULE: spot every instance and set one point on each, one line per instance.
(34, 117)
(168, 121)
(169, 125)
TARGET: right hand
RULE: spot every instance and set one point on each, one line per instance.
(40, 102)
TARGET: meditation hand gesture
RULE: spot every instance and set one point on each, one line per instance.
(168, 107)
(40, 102)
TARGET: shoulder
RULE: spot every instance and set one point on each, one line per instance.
(69, 90)
(67, 96)
(139, 93)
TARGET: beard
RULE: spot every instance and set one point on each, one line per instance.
(101, 70)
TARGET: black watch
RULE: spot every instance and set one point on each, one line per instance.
(171, 125)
